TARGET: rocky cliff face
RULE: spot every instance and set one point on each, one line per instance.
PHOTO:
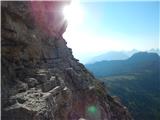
(41, 80)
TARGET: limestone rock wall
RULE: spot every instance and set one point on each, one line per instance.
(41, 80)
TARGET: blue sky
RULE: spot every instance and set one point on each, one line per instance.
(114, 26)
(131, 18)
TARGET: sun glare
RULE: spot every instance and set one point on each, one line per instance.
(73, 13)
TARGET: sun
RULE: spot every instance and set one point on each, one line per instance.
(73, 13)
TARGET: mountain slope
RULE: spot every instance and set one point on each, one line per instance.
(41, 80)
(140, 93)
(112, 55)
(137, 63)
(136, 81)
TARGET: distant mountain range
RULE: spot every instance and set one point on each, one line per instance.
(136, 63)
(135, 80)
(118, 55)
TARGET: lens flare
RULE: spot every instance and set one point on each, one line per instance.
(92, 109)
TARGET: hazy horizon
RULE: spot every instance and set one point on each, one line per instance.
(97, 27)
(89, 58)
